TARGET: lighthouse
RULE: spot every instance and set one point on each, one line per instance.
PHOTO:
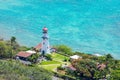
(45, 42)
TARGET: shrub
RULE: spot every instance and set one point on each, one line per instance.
(48, 56)
(64, 49)
(60, 68)
(12, 70)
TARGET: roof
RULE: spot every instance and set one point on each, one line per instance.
(39, 46)
(97, 55)
(30, 51)
(24, 54)
(101, 66)
(71, 67)
(75, 57)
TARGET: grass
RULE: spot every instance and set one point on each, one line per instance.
(59, 57)
(50, 62)
(58, 60)
(50, 67)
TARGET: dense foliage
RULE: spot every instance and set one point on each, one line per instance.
(64, 50)
(5, 51)
(12, 70)
(48, 56)
(94, 68)
(9, 49)
(33, 58)
(88, 67)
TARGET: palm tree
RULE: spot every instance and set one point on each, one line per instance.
(13, 41)
(109, 57)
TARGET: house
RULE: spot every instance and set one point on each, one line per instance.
(24, 55)
(101, 66)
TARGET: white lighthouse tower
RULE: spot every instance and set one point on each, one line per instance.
(45, 42)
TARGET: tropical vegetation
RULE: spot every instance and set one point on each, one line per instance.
(89, 67)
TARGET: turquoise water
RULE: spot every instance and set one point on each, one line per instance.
(90, 26)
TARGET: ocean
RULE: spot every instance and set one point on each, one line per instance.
(89, 26)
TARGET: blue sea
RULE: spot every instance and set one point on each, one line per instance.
(90, 26)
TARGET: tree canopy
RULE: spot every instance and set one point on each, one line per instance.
(64, 49)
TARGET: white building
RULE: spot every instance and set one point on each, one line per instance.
(75, 57)
(98, 55)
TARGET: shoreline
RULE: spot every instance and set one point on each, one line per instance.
(85, 52)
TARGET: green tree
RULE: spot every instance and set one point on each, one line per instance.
(109, 57)
(13, 41)
(86, 68)
(15, 46)
(115, 74)
(23, 48)
(64, 49)
(115, 70)
(4, 50)
(33, 58)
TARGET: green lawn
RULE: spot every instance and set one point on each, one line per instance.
(59, 57)
(58, 60)
(50, 62)
(50, 67)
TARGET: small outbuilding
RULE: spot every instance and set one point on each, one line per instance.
(98, 55)
(75, 57)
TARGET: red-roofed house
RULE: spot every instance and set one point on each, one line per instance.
(23, 55)
(101, 66)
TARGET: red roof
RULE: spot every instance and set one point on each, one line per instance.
(101, 66)
(24, 54)
(39, 46)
